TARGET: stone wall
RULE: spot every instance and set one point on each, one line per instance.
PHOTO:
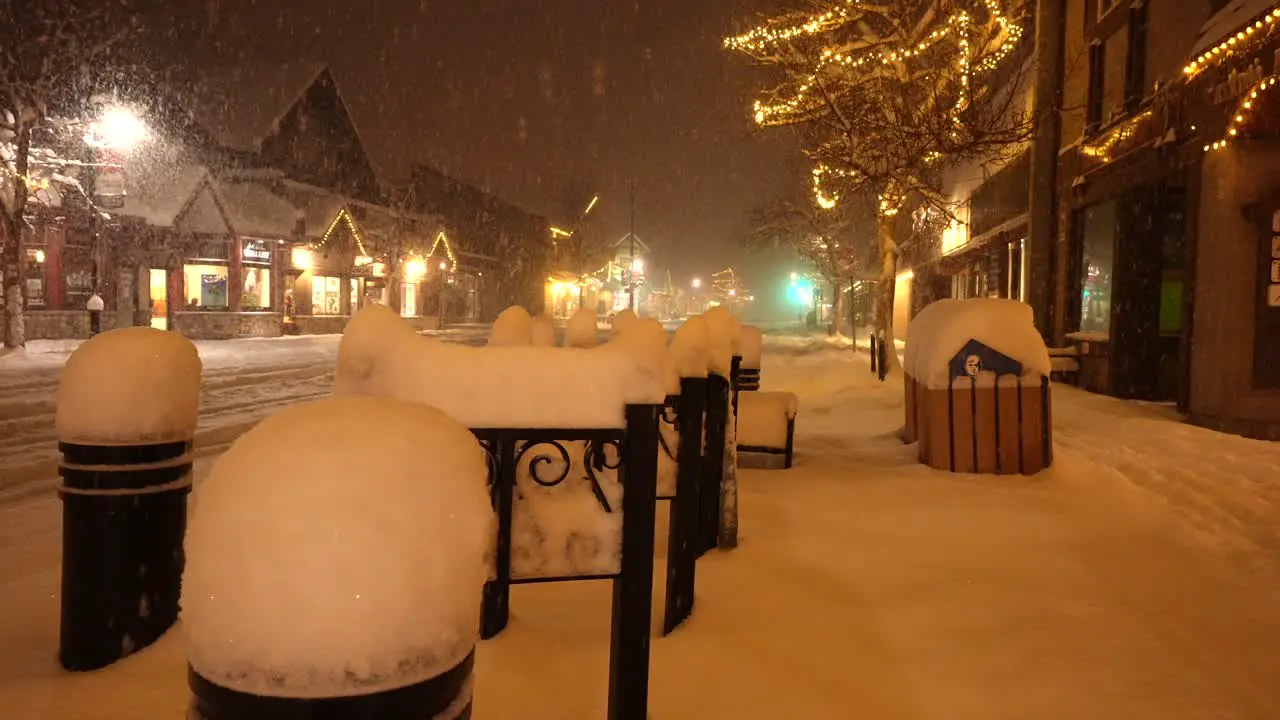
(68, 324)
(320, 324)
(226, 325)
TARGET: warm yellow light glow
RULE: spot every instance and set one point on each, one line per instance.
(39, 256)
(1103, 147)
(560, 233)
(362, 260)
(697, 283)
(1228, 47)
(444, 265)
(119, 128)
(590, 205)
(443, 241)
(415, 270)
(302, 258)
(637, 265)
(351, 226)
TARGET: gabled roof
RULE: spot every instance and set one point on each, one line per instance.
(241, 104)
(255, 209)
(626, 239)
(158, 198)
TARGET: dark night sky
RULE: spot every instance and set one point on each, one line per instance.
(529, 98)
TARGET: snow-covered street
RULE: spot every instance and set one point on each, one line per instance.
(1137, 578)
(244, 380)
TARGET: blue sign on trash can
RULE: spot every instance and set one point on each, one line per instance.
(975, 358)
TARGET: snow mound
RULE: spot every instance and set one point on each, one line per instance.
(691, 348)
(763, 416)
(493, 387)
(726, 339)
(942, 329)
(132, 385)
(622, 319)
(752, 346)
(645, 342)
(351, 564)
(543, 332)
(513, 327)
(581, 332)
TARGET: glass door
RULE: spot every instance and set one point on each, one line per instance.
(159, 282)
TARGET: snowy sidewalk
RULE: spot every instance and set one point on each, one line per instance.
(1135, 579)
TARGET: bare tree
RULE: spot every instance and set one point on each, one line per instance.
(836, 242)
(889, 96)
(47, 48)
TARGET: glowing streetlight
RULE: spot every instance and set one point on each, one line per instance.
(733, 293)
(697, 283)
(590, 205)
(794, 276)
(119, 128)
(443, 265)
(637, 265)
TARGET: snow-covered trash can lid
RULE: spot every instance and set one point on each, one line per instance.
(130, 386)
(1000, 331)
(337, 550)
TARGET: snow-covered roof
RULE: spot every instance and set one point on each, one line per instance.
(254, 209)
(241, 104)
(159, 196)
(1233, 16)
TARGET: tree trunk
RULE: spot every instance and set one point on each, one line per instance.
(838, 310)
(888, 285)
(15, 335)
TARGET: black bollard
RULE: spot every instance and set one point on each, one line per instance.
(95, 307)
(735, 382)
(712, 463)
(124, 512)
(126, 474)
(445, 695)
(874, 353)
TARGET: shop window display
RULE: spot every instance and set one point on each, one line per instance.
(205, 287)
(326, 295)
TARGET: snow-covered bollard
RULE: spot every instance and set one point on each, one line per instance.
(341, 579)
(95, 306)
(126, 415)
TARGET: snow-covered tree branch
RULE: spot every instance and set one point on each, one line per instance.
(48, 49)
(889, 96)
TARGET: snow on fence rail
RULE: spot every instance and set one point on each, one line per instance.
(572, 439)
(126, 415)
(977, 388)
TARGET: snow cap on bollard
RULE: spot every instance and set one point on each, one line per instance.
(691, 348)
(130, 386)
(581, 332)
(720, 326)
(645, 341)
(514, 326)
(622, 319)
(543, 332)
(346, 571)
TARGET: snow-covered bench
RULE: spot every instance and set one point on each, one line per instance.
(767, 423)
(1064, 364)
(749, 371)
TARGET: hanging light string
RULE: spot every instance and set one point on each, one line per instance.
(1261, 27)
(1242, 113)
(1105, 144)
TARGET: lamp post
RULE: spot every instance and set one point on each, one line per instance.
(108, 140)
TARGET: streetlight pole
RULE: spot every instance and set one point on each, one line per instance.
(632, 273)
